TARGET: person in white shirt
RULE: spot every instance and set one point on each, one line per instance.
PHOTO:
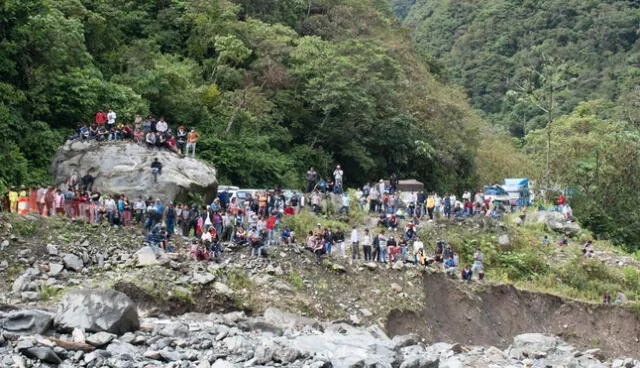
(418, 248)
(355, 243)
(161, 126)
(366, 245)
(111, 118)
(337, 176)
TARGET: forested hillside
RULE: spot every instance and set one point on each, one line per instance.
(563, 76)
(509, 54)
(273, 86)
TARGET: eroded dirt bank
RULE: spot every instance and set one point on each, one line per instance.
(493, 314)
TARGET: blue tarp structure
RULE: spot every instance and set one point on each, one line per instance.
(518, 189)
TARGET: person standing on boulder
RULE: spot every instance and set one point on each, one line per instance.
(156, 169)
(111, 120)
(192, 138)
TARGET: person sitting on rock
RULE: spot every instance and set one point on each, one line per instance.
(151, 139)
(240, 236)
(198, 252)
(450, 267)
(156, 169)
(256, 239)
(467, 273)
(286, 236)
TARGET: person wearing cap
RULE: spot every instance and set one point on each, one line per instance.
(192, 138)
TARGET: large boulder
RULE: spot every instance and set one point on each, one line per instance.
(555, 221)
(97, 310)
(125, 167)
(26, 322)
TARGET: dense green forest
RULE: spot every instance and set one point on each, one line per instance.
(512, 55)
(273, 86)
(563, 77)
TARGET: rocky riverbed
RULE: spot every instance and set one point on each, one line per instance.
(38, 338)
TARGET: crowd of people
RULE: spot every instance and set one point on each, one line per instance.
(391, 248)
(152, 131)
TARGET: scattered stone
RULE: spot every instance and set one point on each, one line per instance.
(395, 287)
(22, 282)
(52, 250)
(28, 322)
(503, 240)
(100, 339)
(202, 278)
(42, 353)
(77, 336)
(55, 269)
(147, 256)
(223, 289)
(73, 262)
(402, 341)
(371, 265)
(97, 310)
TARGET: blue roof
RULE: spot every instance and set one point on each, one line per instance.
(522, 182)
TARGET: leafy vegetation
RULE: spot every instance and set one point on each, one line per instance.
(562, 78)
(512, 55)
(274, 86)
(526, 263)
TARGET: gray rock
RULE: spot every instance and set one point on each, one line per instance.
(170, 356)
(97, 310)
(223, 289)
(148, 256)
(503, 239)
(55, 269)
(285, 320)
(52, 250)
(22, 282)
(451, 363)
(530, 343)
(221, 363)
(405, 340)
(200, 278)
(72, 262)
(42, 353)
(28, 322)
(174, 329)
(124, 167)
(121, 349)
(100, 339)
(371, 265)
(30, 295)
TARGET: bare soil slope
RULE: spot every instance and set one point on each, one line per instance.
(494, 314)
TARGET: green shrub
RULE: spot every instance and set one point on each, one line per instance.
(522, 265)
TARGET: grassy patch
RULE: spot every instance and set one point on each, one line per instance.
(48, 292)
(296, 280)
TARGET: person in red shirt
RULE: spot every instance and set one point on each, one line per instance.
(289, 211)
(271, 228)
(101, 118)
(561, 200)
